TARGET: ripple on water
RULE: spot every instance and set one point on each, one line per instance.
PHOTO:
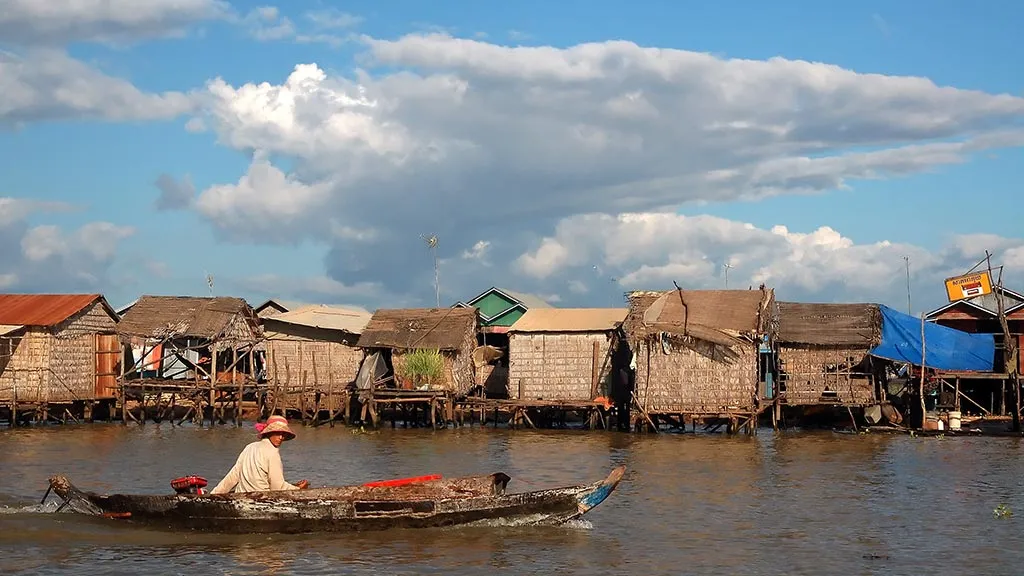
(806, 503)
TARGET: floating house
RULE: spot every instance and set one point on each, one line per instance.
(175, 337)
(392, 335)
(698, 353)
(562, 354)
(824, 354)
(57, 348)
(313, 348)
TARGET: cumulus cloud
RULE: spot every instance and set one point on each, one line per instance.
(653, 250)
(319, 289)
(174, 194)
(50, 85)
(59, 22)
(48, 258)
(474, 140)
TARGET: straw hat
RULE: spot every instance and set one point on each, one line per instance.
(275, 424)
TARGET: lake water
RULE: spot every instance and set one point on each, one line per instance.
(777, 503)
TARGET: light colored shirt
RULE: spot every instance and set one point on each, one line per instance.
(257, 469)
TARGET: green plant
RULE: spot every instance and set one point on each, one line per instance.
(424, 366)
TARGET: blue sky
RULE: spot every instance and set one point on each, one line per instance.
(107, 168)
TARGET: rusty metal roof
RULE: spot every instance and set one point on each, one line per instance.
(570, 320)
(45, 309)
(350, 320)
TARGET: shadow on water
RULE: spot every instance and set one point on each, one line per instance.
(792, 503)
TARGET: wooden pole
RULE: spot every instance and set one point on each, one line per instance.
(124, 396)
(330, 385)
(1009, 344)
(595, 370)
(316, 388)
(920, 386)
(213, 379)
(240, 384)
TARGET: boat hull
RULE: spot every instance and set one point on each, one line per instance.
(345, 509)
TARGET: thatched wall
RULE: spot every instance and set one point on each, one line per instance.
(826, 375)
(553, 366)
(696, 378)
(56, 364)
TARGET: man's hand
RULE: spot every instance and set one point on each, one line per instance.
(303, 484)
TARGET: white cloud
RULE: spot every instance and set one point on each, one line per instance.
(59, 22)
(272, 202)
(48, 258)
(50, 85)
(266, 23)
(477, 252)
(332, 18)
(650, 251)
(474, 140)
(174, 194)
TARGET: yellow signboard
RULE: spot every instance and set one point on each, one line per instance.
(968, 286)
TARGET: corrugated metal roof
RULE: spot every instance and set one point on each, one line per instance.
(6, 329)
(570, 320)
(45, 309)
(351, 320)
(829, 324)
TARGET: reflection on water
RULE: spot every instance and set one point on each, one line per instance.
(807, 503)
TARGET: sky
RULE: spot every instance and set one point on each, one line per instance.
(574, 150)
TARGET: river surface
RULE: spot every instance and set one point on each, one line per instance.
(786, 503)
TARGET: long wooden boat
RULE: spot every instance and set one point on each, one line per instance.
(421, 504)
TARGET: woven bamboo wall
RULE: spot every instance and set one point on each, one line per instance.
(557, 366)
(688, 380)
(812, 370)
(331, 361)
(26, 377)
(336, 365)
(94, 320)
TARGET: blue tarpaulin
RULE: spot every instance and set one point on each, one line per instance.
(945, 348)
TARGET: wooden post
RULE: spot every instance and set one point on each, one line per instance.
(595, 370)
(124, 395)
(330, 385)
(920, 386)
(316, 387)
(213, 379)
(302, 385)
(241, 385)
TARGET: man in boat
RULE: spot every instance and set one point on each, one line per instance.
(259, 467)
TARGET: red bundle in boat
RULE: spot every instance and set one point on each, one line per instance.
(189, 484)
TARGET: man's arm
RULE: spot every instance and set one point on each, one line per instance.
(230, 480)
(276, 473)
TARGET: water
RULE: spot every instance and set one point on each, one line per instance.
(791, 503)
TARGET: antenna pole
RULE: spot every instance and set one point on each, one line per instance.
(906, 259)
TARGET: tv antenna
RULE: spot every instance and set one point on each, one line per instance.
(431, 240)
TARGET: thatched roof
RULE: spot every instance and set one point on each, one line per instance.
(190, 317)
(719, 316)
(829, 324)
(416, 328)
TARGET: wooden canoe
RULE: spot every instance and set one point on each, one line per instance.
(434, 503)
